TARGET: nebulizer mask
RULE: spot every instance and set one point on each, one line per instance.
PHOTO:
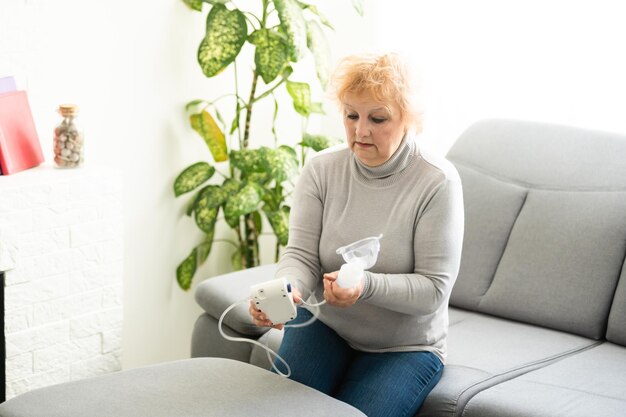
(359, 256)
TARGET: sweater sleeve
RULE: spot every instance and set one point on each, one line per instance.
(437, 247)
(300, 263)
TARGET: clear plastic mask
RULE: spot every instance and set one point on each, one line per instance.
(363, 252)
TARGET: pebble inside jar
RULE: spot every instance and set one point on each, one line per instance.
(68, 139)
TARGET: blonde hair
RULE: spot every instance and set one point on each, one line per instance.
(384, 76)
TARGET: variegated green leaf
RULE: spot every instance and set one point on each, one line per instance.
(235, 124)
(291, 151)
(301, 96)
(261, 178)
(245, 201)
(270, 55)
(231, 186)
(258, 222)
(191, 205)
(313, 9)
(236, 261)
(226, 32)
(207, 205)
(211, 196)
(204, 249)
(205, 125)
(274, 120)
(279, 220)
(318, 142)
(246, 160)
(317, 43)
(192, 176)
(271, 201)
(194, 4)
(358, 6)
(194, 103)
(231, 219)
(205, 218)
(317, 107)
(279, 163)
(293, 25)
(186, 270)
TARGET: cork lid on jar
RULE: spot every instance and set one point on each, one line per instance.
(67, 110)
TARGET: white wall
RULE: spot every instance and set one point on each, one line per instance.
(131, 66)
(558, 61)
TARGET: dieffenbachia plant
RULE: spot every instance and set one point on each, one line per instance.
(259, 179)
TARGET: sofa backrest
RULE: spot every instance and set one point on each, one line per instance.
(616, 331)
(545, 216)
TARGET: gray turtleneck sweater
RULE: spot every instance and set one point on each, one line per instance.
(415, 200)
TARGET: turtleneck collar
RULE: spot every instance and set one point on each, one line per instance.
(384, 174)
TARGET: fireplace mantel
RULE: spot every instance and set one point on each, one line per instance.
(61, 250)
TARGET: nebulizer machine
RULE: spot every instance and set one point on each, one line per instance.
(275, 297)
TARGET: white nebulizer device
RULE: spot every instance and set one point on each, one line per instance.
(275, 297)
(359, 256)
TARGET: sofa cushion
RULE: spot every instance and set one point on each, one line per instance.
(544, 155)
(206, 340)
(491, 207)
(215, 295)
(208, 387)
(616, 331)
(484, 351)
(562, 261)
(590, 383)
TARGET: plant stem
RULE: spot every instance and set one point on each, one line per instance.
(268, 92)
(238, 108)
(247, 14)
(246, 133)
(252, 237)
(242, 246)
(255, 79)
(217, 171)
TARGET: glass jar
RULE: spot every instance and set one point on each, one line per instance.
(68, 139)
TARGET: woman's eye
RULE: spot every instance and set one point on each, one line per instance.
(378, 120)
(352, 116)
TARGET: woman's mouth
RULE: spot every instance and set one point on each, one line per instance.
(364, 145)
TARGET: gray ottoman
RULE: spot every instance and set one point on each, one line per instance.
(188, 388)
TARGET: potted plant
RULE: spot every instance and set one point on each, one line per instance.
(258, 179)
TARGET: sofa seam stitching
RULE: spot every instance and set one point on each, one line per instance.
(523, 184)
(508, 238)
(551, 359)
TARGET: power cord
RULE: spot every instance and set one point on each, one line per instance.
(269, 351)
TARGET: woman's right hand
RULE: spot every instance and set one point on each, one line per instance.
(260, 319)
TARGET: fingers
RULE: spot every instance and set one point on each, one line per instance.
(260, 319)
(340, 297)
(297, 295)
(331, 276)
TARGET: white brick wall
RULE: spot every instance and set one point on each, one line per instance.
(61, 240)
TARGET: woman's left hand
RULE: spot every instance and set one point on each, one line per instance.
(337, 296)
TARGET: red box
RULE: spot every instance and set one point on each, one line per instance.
(19, 144)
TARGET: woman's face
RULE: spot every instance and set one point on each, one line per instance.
(374, 130)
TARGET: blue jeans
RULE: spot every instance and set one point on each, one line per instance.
(392, 384)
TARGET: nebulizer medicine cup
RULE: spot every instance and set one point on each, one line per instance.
(359, 256)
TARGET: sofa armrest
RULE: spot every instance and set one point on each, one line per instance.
(216, 294)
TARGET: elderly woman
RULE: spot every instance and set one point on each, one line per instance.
(380, 345)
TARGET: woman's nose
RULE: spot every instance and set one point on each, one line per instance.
(362, 130)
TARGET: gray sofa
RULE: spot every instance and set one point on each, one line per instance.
(537, 316)
(538, 313)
